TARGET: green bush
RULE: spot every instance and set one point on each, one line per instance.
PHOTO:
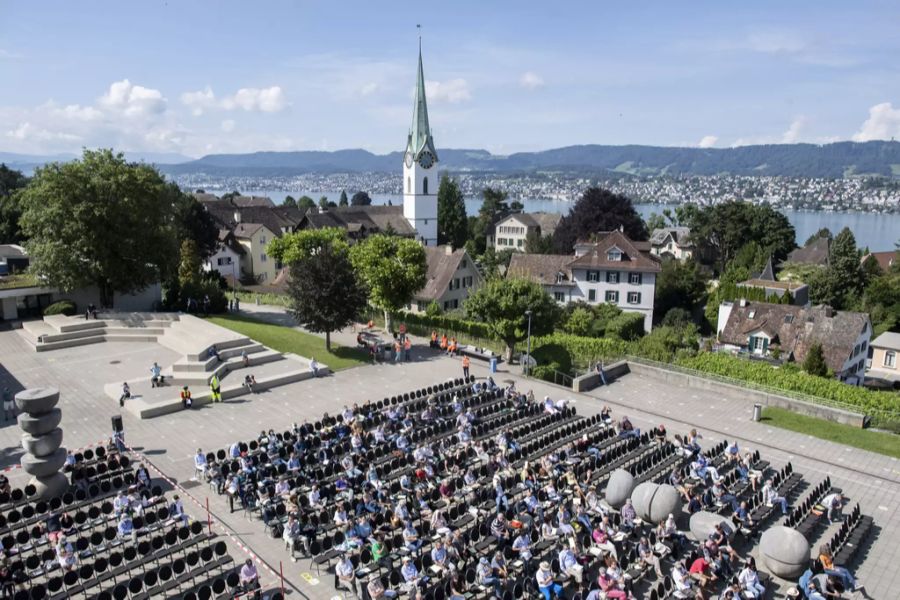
(628, 326)
(555, 355)
(61, 307)
(582, 351)
(176, 296)
(881, 405)
(544, 372)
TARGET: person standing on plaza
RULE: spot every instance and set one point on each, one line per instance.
(407, 349)
(465, 366)
(9, 405)
(215, 388)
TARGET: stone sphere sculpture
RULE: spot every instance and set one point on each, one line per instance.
(784, 551)
(704, 523)
(654, 503)
(619, 487)
(42, 439)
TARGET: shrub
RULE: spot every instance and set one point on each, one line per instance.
(582, 351)
(628, 326)
(61, 307)
(555, 355)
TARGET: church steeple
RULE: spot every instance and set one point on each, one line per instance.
(420, 132)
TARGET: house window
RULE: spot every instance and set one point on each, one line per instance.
(425, 186)
(559, 296)
(446, 305)
(856, 350)
(420, 306)
(593, 276)
(890, 359)
(614, 255)
(634, 297)
(262, 240)
(612, 297)
(759, 344)
(463, 264)
(592, 295)
(634, 278)
(864, 344)
(612, 277)
(519, 242)
(223, 261)
(456, 284)
(560, 277)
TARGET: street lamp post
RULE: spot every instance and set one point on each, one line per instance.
(528, 360)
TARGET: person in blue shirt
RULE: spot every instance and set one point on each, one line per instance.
(439, 556)
(568, 563)
(546, 585)
(125, 527)
(411, 538)
(155, 375)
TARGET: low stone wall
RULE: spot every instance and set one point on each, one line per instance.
(756, 396)
(591, 380)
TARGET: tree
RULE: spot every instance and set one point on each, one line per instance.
(231, 195)
(495, 262)
(452, 224)
(655, 221)
(720, 230)
(579, 322)
(325, 291)
(343, 200)
(841, 282)
(292, 247)
(289, 202)
(822, 233)
(535, 243)
(324, 203)
(359, 199)
(393, 269)
(493, 208)
(192, 221)
(189, 263)
(678, 285)
(304, 203)
(501, 304)
(99, 220)
(597, 210)
(814, 363)
(10, 211)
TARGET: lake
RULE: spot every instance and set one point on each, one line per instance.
(877, 231)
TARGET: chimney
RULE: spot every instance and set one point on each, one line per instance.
(237, 215)
(829, 312)
(743, 303)
(448, 249)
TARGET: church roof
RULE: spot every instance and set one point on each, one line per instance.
(419, 132)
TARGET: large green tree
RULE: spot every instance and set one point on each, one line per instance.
(361, 199)
(721, 230)
(100, 221)
(304, 203)
(840, 284)
(494, 206)
(292, 247)
(343, 200)
(192, 221)
(10, 211)
(325, 290)
(289, 202)
(392, 268)
(597, 210)
(678, 285)
(814, 363)
(501, 304)
(452, 224)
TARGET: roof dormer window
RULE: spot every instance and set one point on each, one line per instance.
(560, 277)
(614, 255)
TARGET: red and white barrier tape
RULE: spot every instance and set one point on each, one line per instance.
(225, 530)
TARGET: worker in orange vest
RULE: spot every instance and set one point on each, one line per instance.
(465, 363)
(444, 341)
(434, 342)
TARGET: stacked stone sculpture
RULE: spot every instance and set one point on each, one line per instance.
(43, 457)
(785, 551)
(654, 503)
(619, 487)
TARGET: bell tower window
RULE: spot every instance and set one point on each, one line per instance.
(408, 185)
(425, 186)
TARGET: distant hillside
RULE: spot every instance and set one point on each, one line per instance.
(796, 160)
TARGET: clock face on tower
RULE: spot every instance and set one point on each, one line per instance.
(408, 159)
(426, 160)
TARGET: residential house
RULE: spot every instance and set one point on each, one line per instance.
(672, 242)
(255, 238)
(814, 253)
(13, 259)
(613, 270)
(512, 230)
(227, 257)
(773, 288)
(239, 201)
(885, 260)
(451, 277)
(360, 221)
(884, 359)
(759, 328)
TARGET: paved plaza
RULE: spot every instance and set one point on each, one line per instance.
(170, 441)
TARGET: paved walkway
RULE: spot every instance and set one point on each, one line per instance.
(170, 441)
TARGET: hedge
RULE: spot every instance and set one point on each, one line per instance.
(583, 351)
(61, 307)
(882, 406)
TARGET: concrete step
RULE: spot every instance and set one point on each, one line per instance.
(65, 324)
(36, 328)
(129, 338)
(95, 339)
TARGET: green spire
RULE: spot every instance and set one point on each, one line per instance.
(420, 132)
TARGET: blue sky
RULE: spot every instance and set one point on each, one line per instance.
(200, 77)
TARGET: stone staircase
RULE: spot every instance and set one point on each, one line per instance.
(59, 331)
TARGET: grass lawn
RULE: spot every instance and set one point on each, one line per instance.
(873, 441)
(286, 339)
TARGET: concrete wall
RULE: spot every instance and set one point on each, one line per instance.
(766, 399)
(146, 300)
(591, 380)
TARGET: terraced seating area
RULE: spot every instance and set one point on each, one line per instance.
(76, 546)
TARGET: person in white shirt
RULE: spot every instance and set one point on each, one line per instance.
(568, 563)
(834, 505)
(772, 498)
(546, 585)
(346, 577)
(200, 464)
(314, 367)
(749, 580)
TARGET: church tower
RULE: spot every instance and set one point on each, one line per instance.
(420, 174)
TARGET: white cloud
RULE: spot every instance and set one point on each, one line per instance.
(133, 100)
(531, 80)
(199, 101)
(271, 99)
(28, 132)
(883, 123)
(228, 125)
(795, 132)
(452, 91)
(708, 141)
(369, 89)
